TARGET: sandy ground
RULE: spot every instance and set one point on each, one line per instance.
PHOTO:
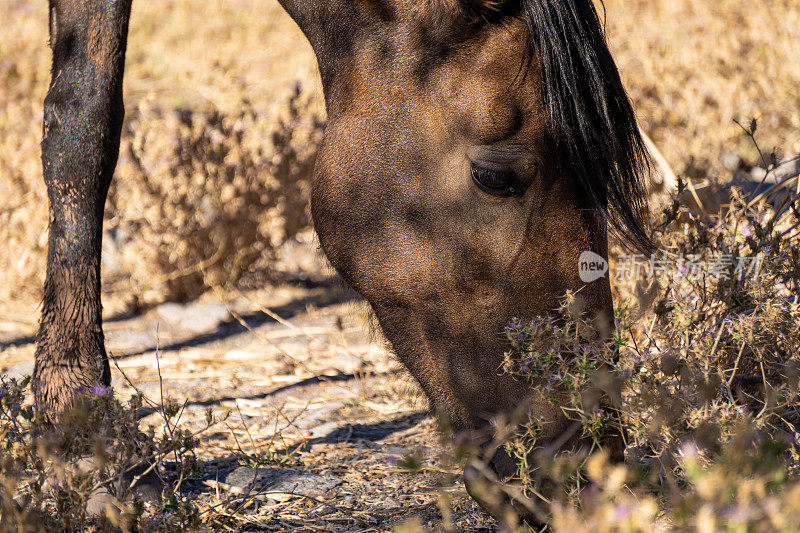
(314, 391)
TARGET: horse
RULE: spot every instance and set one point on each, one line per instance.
(474, 149)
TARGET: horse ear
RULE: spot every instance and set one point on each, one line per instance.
(328, 25)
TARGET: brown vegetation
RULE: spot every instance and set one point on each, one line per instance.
(215, 132)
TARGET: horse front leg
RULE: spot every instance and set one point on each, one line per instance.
(83, 115)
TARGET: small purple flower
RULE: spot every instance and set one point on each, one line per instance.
(586, 348)
(99, 390)
(390, 460)
(645, 355)
(729, 325)
(514, 324)
(617, 322)
(689, 449)
(740, 513)
(622, 511)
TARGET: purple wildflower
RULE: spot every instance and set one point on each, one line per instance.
(622, 511)
(99, 390)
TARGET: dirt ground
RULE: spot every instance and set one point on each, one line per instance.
(313, 391)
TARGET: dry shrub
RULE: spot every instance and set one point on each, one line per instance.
(201, 69)
(48, 475)
(700, 378)
(690, 66)
(204, 198)
(24, 73)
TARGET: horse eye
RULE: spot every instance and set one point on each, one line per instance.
(496, 182)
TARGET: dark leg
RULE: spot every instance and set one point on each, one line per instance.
(82, 121)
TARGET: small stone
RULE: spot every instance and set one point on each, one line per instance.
(99, 502)
(194, 318)
(731, 161)
(323, 430)
(148, 486)
(279, 483)
(758, 173)
(18, 371)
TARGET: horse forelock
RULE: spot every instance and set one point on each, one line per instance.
(591, 117)
(592, 120)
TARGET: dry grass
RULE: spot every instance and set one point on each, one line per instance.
(700, 379)
(250, 72)
(690, 66)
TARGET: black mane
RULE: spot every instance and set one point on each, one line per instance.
(591, 118)
(593, 123)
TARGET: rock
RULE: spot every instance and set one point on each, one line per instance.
(194, 317)
(323, 430)
(99, 502)
(19, 371)
(731, 161)
(758, 173)
(279, 483)
(147, 488)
